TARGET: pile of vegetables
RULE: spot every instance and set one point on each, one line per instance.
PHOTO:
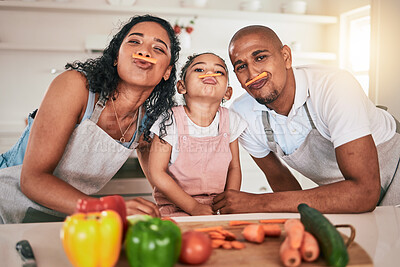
(94, 235)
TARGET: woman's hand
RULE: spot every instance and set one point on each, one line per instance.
(202, 209)
(141, 206)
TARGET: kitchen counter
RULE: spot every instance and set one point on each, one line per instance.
(377, 232)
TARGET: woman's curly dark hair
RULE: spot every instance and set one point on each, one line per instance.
(102, 75)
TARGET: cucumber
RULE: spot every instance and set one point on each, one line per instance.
(330, 241)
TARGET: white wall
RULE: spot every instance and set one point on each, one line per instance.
(384, 73)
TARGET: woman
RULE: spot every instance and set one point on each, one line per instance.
(89, 122)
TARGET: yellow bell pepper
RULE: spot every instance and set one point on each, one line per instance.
(92, 239)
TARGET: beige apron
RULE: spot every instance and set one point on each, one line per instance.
(316, 160)
(91, 158)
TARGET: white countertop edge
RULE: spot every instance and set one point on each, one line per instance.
(236, 217)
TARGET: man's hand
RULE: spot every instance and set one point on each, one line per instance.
(141, 206)
(233, 201)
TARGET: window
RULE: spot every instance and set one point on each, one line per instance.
(355, 31)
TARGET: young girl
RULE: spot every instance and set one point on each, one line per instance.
(197, 156)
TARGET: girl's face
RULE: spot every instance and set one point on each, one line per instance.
(212, 88)
(148, 39)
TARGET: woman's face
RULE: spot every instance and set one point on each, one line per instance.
(148, 39)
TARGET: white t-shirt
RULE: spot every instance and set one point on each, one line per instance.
(236, 125)
(338, 106)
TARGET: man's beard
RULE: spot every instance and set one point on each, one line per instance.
(269, 99)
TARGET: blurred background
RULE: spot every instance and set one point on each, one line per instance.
(37, 38)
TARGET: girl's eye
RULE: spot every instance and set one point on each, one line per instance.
(198, 70)
(220, 71)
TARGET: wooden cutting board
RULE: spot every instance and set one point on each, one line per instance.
(265, 254)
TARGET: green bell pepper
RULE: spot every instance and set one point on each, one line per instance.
(154, 243)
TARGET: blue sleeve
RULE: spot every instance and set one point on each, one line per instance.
(15, 156)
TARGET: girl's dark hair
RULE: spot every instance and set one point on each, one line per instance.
(102, 75)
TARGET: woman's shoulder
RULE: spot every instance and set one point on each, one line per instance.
(69, 90)
(72, 83)
(71, 78)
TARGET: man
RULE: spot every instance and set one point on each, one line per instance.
(319, 121)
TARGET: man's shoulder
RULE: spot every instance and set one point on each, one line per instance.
(315, 72)
(321, 79)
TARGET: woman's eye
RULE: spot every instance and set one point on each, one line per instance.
(159, 49)
(134, 42)
(198, 70)
(220, 71)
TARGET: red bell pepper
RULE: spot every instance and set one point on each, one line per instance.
(114, 202)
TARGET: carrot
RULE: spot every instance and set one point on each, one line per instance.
(209, 75)
(209, 229)
(216, 235)
(236, 223)
(148, 59)
(238, 245)
(227, 245)
(273, 220)
(216, 243)
(289, 256)
(309, 248)
(260, 76)
(272, 229)
(294, 231)
(228, 235)
(253, 233)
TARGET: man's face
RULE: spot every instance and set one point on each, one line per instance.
(253, 54)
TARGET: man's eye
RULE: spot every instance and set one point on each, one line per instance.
(259, 58)
(240, 67)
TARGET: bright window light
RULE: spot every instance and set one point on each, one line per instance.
(355, 44)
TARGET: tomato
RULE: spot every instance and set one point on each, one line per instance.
(189, 29)
(177, 29)
(196, 247)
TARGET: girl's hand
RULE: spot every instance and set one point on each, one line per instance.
(141, 206)
(202, 209)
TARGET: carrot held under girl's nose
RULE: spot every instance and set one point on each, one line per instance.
(209, 75)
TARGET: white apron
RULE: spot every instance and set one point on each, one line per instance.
(91, 158)
(316, 160)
